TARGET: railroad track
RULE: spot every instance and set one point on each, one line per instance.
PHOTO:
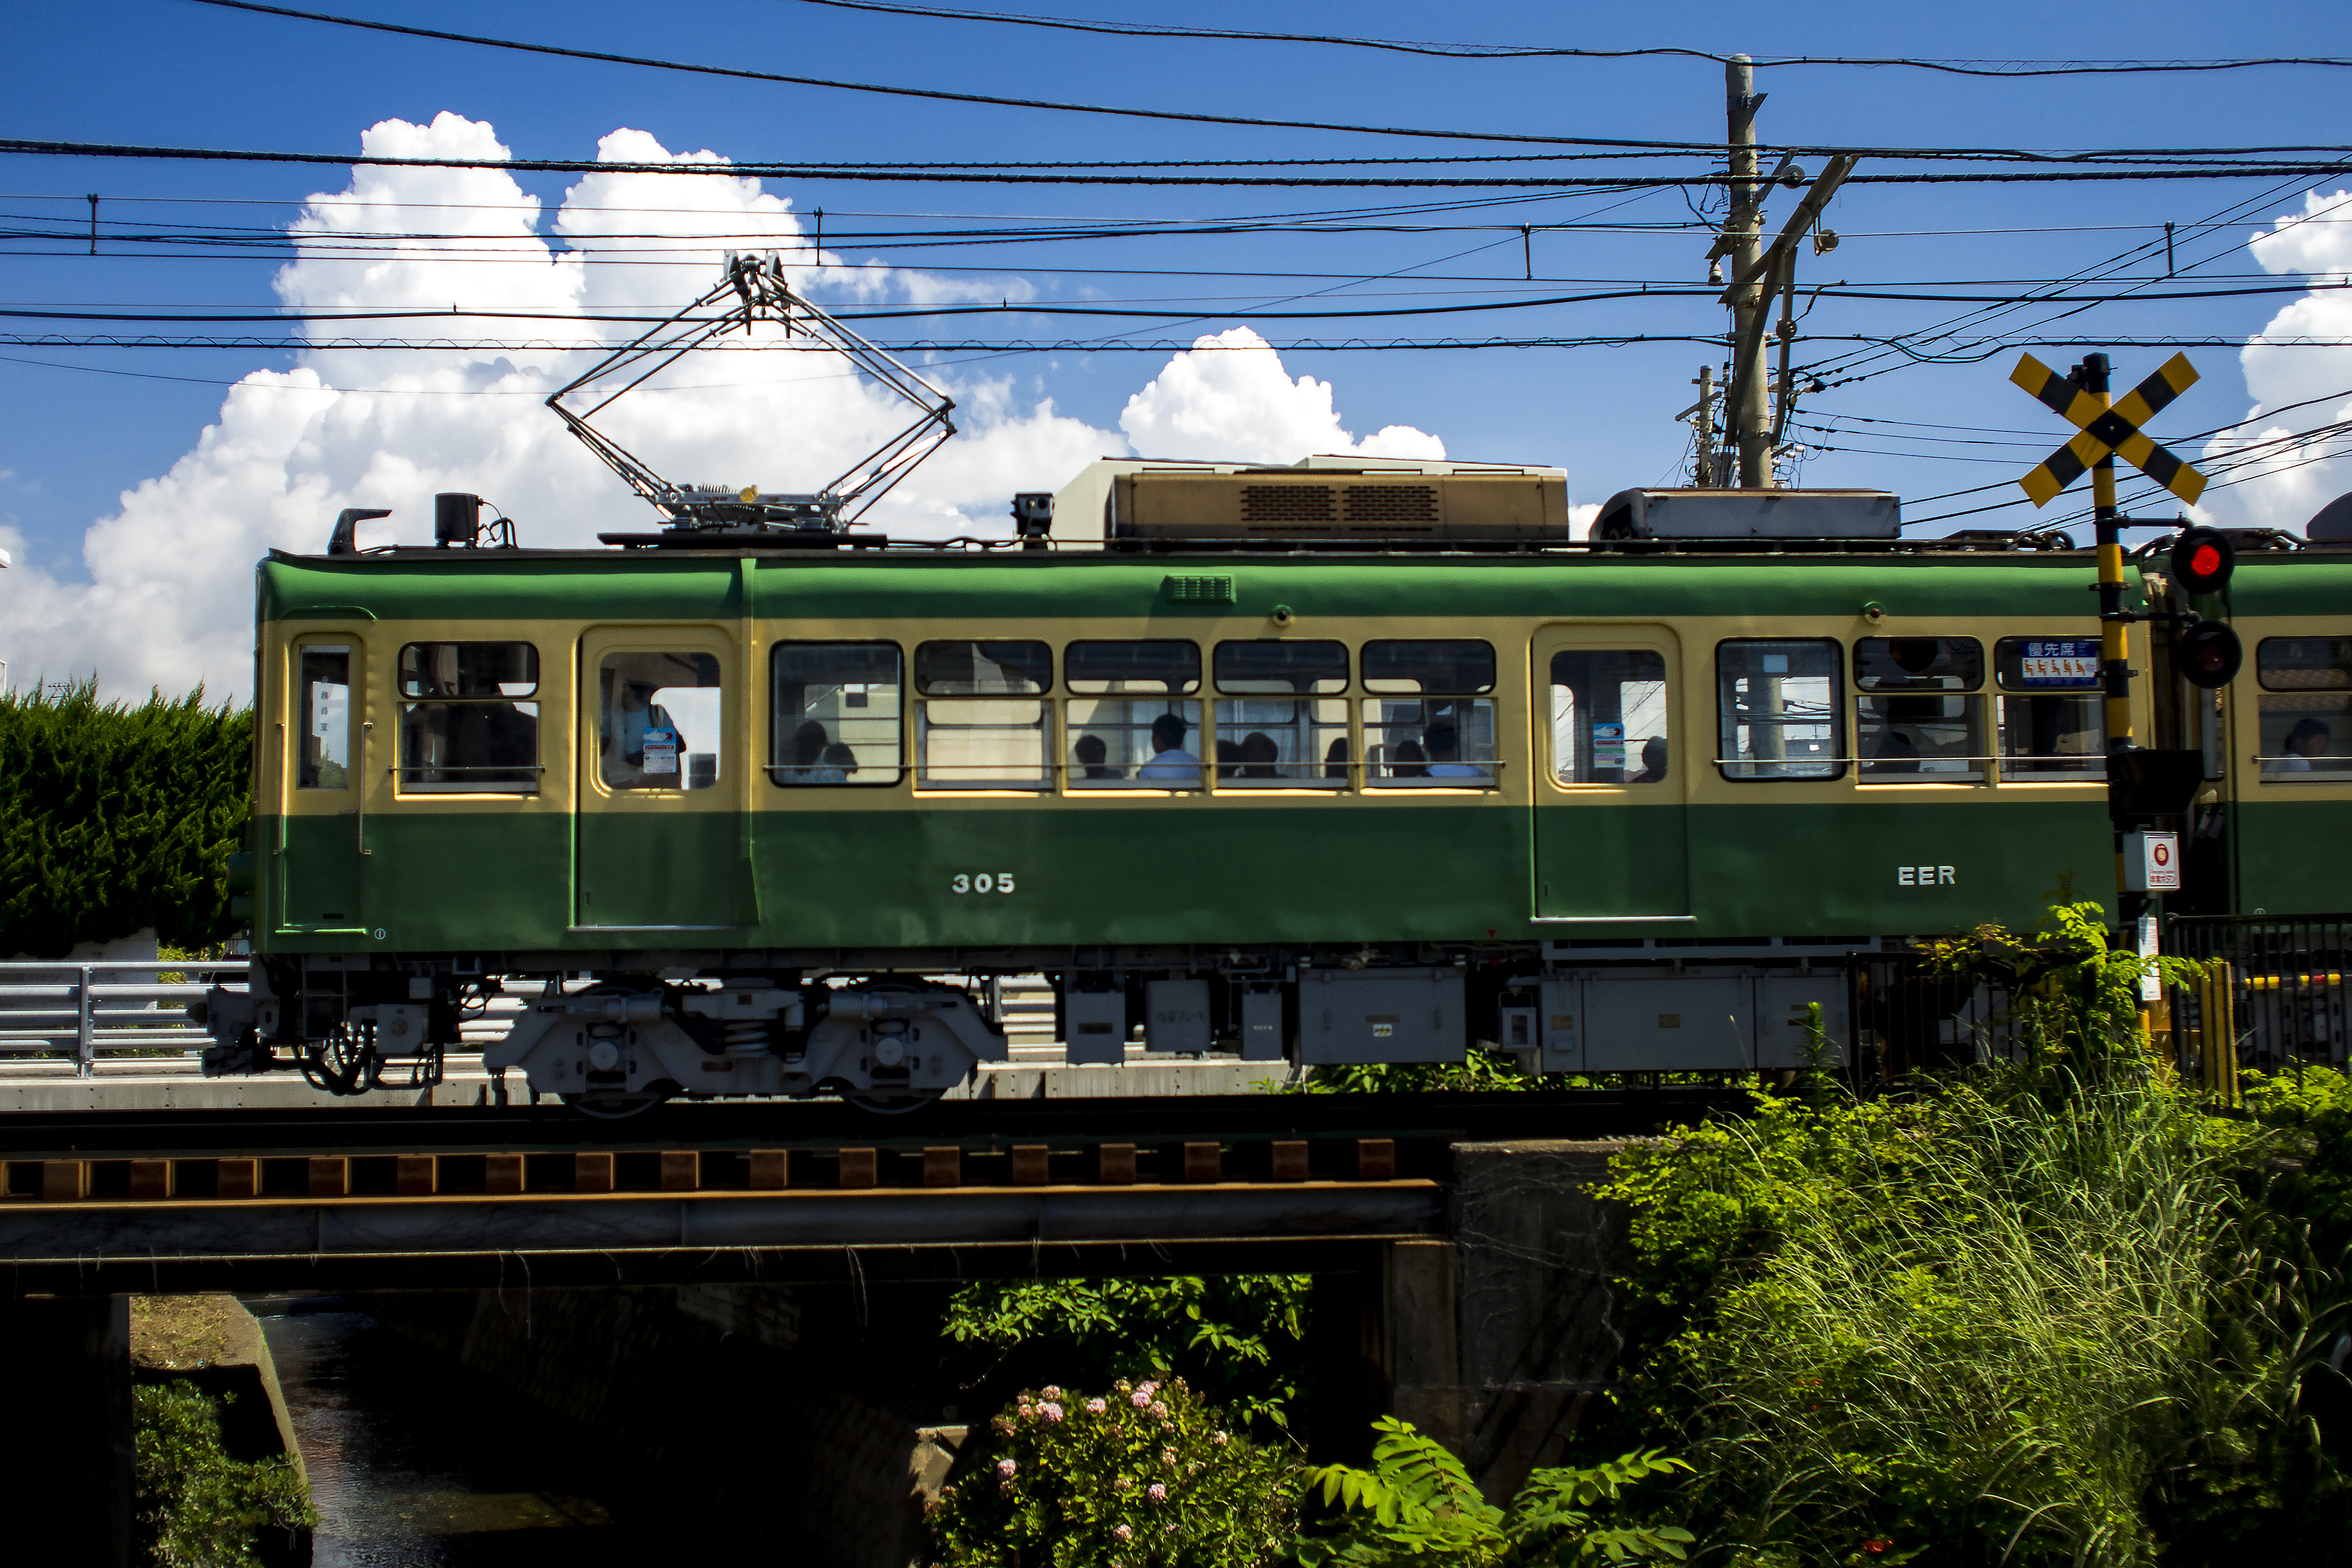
(511, 1149)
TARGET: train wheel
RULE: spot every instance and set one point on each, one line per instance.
(614, 1108)
(893, 1104)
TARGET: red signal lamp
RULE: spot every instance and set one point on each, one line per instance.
(2208, 655)
(2202, 560)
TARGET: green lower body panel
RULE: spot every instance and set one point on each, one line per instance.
(1056, 877)
(680, 870)
(1898, 868)
(2291, 855)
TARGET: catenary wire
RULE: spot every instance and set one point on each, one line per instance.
(1515, 51)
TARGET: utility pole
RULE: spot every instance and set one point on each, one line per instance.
(1702, 417)
(1743, 230)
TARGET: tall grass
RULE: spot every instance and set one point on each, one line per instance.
(2000, 1341)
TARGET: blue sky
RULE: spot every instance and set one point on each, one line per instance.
(73, 440)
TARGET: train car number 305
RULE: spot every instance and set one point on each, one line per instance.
(981, 883)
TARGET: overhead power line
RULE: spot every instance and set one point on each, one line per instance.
(1039, 307)
(803, 345)
(990, 99)
(1518, 51)
(1080, 345)
(2192, 167)
(742, 73)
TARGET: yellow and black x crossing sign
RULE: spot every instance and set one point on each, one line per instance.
(2109, 431)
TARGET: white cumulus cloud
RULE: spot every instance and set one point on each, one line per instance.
(1229, 398)
(169, 599)
(2292, 485)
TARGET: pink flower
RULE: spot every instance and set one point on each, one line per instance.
(1139, 1399)
(1124, 1532)
(1156, 1493)
(1050, 1411)
(1095, 1407)
(1050, 1392)
(1168, 1458)
(1148, 1389)
(1159, 1411)
(1006, 1468)
(1220, 1439)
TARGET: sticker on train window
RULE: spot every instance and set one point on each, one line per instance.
(2058, 662)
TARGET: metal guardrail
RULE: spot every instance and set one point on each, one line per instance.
(83, 1010)
(121, 1015)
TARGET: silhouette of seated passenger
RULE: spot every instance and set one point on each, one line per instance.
(1092, 755)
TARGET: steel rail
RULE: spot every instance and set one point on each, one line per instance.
(978, 1126)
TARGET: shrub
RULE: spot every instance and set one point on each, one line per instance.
(1241, 1339)
(1145, 1476)
(115, 818)
(1417, 1504)
(196, 1507)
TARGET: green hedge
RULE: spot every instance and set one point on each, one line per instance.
(115, 818)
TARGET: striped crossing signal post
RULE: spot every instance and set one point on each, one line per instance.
(2104, 431)
(2206, 654)
(2108, 432)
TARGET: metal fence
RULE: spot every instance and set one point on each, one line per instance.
(79, 1012)
(2276, 996)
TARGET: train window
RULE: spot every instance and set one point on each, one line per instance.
(980, 743)
(469, 669)
(660, 717)
(1132, 742)
(1609, 716)
(1097, 669)
(2051, 726)
(836, 717)
(984, 669)
(471, 736)
(1930, 734)
(1918, 664)
(1432, 743)
(326, 699)
(1463, 667)
(1129, 726)
(1272, 732)
(1931, 739)
(1777, 709)
(1287, 668)
(2304, 709)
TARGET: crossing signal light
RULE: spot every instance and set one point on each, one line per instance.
(2209, 653)
(2202, 559)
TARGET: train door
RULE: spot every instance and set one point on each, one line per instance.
(1612, 775)
(323, 772)
(659, 814)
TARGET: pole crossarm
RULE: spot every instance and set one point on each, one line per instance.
(1801, 222)
(758, 291)
(2108, 430)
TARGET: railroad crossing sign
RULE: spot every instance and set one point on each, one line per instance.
(2109, 431)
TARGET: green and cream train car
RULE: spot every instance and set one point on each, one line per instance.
(1306, 790)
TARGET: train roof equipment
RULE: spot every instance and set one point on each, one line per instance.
(1736, 514)
(755, 288)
